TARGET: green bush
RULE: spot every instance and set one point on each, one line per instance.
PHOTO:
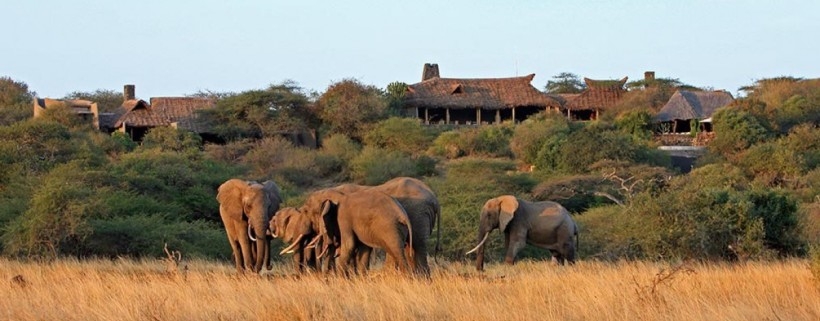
(375, 166)
(278, 158)
(403, 134)
(736, 130)
(529, 136)
(488, 141)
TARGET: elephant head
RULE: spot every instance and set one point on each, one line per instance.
(246, 208)
(320, 207)
(292, 227)
(496, 213)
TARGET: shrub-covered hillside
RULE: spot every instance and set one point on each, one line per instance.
(68, 190)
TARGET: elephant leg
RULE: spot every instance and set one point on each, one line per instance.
(247, 250)
(516, 244)
(236, 253)
(298, 259)
(345, 252)
(363, 258)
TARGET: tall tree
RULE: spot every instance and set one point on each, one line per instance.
(565, 83)
(348, 106)
(259, 113)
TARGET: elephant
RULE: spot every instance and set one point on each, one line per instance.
(246, 208)
(421, 206)
(357, 222)
(295, 229)
(545, 224)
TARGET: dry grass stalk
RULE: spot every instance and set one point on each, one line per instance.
(142, 290)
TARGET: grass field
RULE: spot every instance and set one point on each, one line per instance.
(147, 290)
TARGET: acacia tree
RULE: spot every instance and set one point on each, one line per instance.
(565, 83)
(260, 113)
(348, 106)
(107, 100)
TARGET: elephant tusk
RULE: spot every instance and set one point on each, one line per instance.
(250, 234)
(313, 242)
(321, 254)
(273, 233)
(479, 244)
(293, 246)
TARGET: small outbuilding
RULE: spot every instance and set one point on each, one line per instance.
(686, 106)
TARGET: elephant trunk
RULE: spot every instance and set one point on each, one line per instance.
(262, 245)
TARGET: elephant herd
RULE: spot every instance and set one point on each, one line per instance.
(337, 229)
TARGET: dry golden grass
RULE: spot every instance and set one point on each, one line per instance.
(145, 290)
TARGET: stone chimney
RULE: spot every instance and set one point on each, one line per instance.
(430, 71)
(649, 77)
(129, 92)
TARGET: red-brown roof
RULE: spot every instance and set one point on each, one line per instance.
(485, 93)
(599, 94)
(164, 111)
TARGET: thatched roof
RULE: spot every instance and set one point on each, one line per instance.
(79, 106)
(685, 105)
(484, 93)
(599, 94)
(165, 111)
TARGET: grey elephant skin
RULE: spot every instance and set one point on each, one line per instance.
(295, 229)
(246, 208)
(421, 206)
(545, 224)
(357, 223)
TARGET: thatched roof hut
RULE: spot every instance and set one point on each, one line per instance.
(179, 112)
(85, 109)
(598, 96)
(688, 105)
(436, 99)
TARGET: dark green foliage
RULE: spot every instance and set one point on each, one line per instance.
(376, 165)
(529, 136)
(637, 123)
(404, 134)
(16, 102)
(107, 100)
(575, 151)
(146, 236)
(268, 112)
(172, 139)
(564, 83)
(395, 92)
(488, 141)
(736, 131)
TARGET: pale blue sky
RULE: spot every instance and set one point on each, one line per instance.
(173, 48)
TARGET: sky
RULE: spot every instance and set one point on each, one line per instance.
(175, 47)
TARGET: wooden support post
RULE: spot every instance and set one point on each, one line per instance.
(498, 116)
(426, 116)
(513, 116)
(447, 117)
(478, 116)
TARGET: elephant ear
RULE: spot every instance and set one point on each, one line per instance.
(507, 206)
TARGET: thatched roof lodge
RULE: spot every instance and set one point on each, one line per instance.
(85, 109)
(178, 112)
(438, 100)
(598, 96)
(685, 106)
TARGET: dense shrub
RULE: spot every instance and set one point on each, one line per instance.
(278, 158)
(736, 130)
(488, 141)
(403, 134)
(532, 134)
(376, 165)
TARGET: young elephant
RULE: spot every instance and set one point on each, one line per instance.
(361, 221)
(546, 225)
(296, 230)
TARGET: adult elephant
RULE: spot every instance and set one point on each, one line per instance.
(296, 230)
(246, 208)
(422, 208)
(546, 225)
(355, 223)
